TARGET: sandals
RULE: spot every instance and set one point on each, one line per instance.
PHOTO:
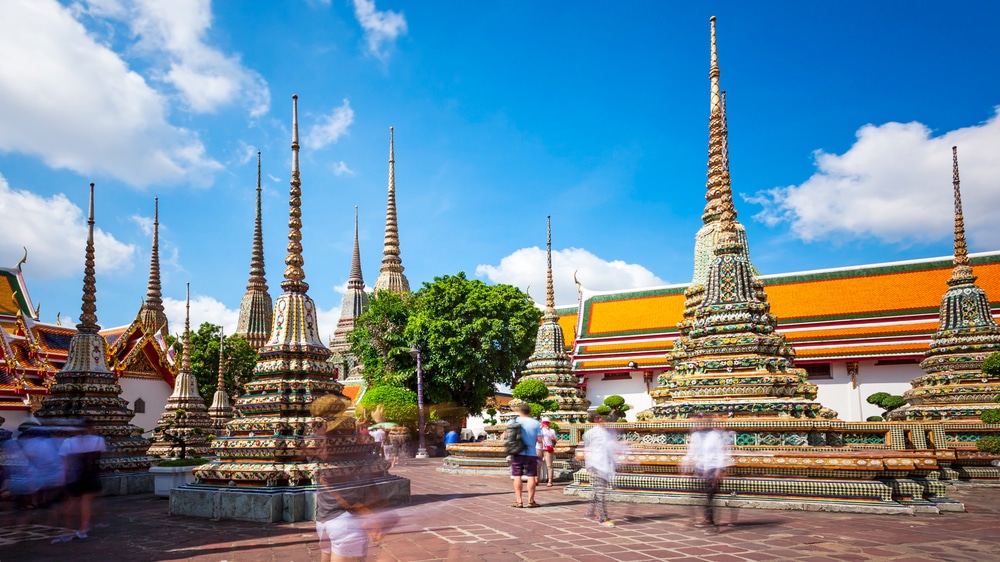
(534, 504)
(517, 505)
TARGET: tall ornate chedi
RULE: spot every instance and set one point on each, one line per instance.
(221, 411)
(255, 309)
(185, 418)
(550, 363)
(390, 275)
(729, 359)
(85, 388)
(955, 386)
(272, 442)
(151, 315)
(353, 305)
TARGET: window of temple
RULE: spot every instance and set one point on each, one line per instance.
(140, 406)
(818, 371)
(617, 376)
(882, 362)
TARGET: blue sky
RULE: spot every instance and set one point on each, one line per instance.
(841, 120)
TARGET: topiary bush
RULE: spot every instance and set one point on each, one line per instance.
(989, 445)
(602, 410)
(886, 401)
(874, 418)
(617, 407)
(990, 416)
(399, 405)
(877, 398)
(530, 390)
(991, 367)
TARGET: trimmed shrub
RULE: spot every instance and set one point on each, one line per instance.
(990, 416)
(991, 367)
(989, 445)
(399, 405)
(530, 390)
(893, 402)
(196, 461)
(602, 410)
(874, 418)
(877, 398)
(614, 401)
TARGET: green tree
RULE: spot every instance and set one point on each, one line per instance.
(239, 359)
(472, 337)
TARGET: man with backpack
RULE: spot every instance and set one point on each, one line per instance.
(520, 441)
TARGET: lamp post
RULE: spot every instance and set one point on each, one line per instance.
(421, 449)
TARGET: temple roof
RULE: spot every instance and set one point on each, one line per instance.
(887, 310)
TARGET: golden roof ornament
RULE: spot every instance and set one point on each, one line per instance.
(151, 313)
(390, 277)
(962, 272)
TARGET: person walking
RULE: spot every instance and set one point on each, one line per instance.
(547, 449)
(600, 446)
(707, 458)
(83, 482)
(525, 463)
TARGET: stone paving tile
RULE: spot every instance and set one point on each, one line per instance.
(468, 518)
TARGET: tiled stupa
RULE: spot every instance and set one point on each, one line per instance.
(955, 387)
(256, 310)
(730, 360)
(551, 364)
(390, 276)
(151, 315)
(354, 303)
(221, 410)
(272, 443)
(194, 424)
(86, 389)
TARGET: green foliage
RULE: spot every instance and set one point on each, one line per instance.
(183, 462)
(991, 367)
(239, 360)
(530, 390)
(379, 342)
(877, 398)
(990, 416)
(614, 401)
(491, 416)
(399, 405)
(989, 445)
(602, 410)
(874, 418)
(536, 409)
(472, 337)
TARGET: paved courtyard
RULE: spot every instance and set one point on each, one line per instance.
(469, 518)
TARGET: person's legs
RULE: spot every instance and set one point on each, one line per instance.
(549, 457)
(85, 509)
(516, 470)
(598, 507)
(531, 471)
(712, 482)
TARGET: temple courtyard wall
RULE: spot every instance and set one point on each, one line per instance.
(154, 394)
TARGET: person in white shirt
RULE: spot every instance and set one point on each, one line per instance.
(601, 447)
(83, 473)
(547, 448)
(708, 458)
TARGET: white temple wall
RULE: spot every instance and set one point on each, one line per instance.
(851, 403)
(633, 390)
(153, 392)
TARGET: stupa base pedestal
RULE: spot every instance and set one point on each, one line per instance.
(126, 484)
(271, 505)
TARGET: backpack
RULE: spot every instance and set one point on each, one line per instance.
(512, 442)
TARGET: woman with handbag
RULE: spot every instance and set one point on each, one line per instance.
(548, 448)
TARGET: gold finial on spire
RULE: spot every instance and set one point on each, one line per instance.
(355, 279)
(719, 186)
(390, 277)
(151, 313)
(713, 71)
(550, 293)
(962, 272)
(186, 353)
(294, 275)
(88, 320)
(257, 279)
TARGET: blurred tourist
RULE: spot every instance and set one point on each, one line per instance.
(601, 447)
(547, 449)
(524, 463)
(82, 457)
(707, 458)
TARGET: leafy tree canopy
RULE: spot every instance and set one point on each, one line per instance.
(239, 359)
(472, 337)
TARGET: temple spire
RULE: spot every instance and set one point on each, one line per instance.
(390, 277)
(719, 188)
(88, 320)
(257, 253)
(151, 315)
(294, 274)
(550, 294)
(355, 280)
(222, 344)
(256, 307)
(962, 272)
(186, 355)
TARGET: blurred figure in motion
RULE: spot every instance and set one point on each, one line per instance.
(81, 455)
(601, 446)
(707, 458)
(348, 516)
(20, 478)
(547, 450)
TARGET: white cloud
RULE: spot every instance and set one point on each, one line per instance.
(203, 309)
(145, 223)
(527, 267)
(330, 127)
(380, 26)
(894, 184)
(54, 230)
(340, 169)
(326, 322)
(75, 103)
(173, 35)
